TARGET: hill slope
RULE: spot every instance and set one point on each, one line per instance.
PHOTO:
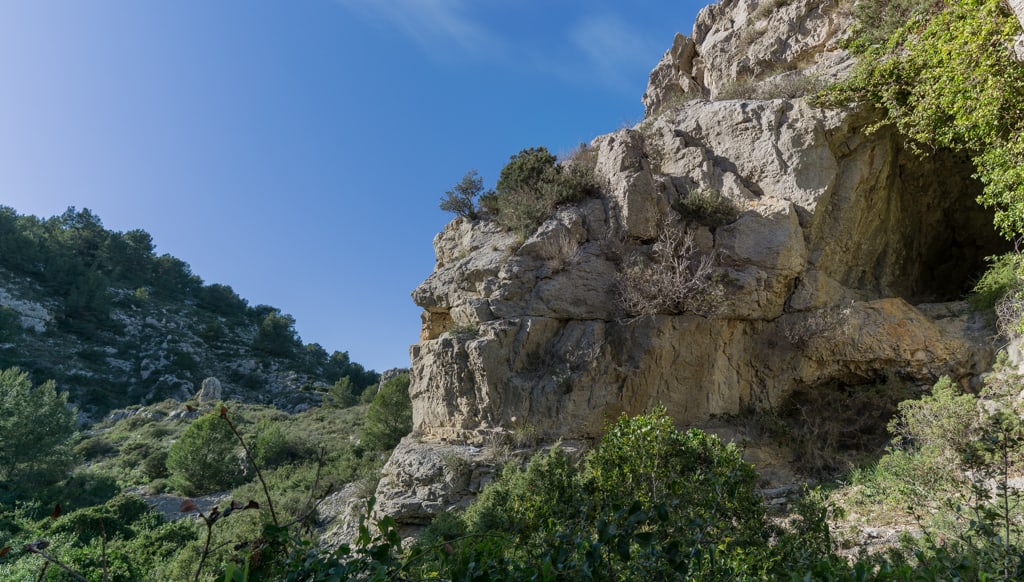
(116, 324)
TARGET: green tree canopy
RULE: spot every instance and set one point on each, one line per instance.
(526, 170)
(389, 417)
(276, 335)
(205, 458)
(35, 428)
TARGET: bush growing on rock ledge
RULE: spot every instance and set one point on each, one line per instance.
(461, 199)
(706, 206)
(674, 279)
(529, 189)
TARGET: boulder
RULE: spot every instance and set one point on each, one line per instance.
(210, 391)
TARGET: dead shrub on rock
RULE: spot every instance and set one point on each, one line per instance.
(560, 250)
(675, 278)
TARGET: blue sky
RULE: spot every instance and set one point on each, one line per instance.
(296, 150)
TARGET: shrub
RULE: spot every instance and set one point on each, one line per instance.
(341, 395)
(533, 184)
(461, 199)
(674, 279)
(779, 85)
(271, 447)
(879, 20)
(389, 417)
(707, 207)
(1002, 276)
(949, 464)
(1001, 289)
(525, 170)
(111, 519)
(10, 324)
(84, 488)
(94, 448)
(526, 503)
(223, 300)
(36, 426)
(205, 458)
(154, 466)
(276, 336)
(651, 502)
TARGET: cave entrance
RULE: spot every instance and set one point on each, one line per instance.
(944, 235)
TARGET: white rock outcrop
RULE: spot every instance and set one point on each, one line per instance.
(843, 262)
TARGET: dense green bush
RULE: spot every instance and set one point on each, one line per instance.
(650, 502)
(529, 188)
(270, 447)
(276, 335)
(389, 417)
(1003, 276)
(205, 458)
(122, 540)
(342, 394)
(36, 426)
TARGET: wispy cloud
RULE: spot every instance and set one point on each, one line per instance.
(431, 23)
(613, 51)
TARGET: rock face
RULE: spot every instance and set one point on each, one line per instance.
(753, 46)
(210, 391)
(843, 259)
(830, 221)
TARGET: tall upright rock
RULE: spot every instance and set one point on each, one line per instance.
(842, 260)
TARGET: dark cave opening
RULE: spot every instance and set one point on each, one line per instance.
(944, 236)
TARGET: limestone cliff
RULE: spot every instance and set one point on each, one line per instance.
(843, 261)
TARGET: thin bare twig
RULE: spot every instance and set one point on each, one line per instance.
(255, 465)
(37, 547)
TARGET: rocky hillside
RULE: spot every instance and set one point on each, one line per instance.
(116, 325)
(827, 256)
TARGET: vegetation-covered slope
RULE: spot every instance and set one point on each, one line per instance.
(115, 324)
(109, 503)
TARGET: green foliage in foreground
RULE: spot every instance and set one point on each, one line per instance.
(389, 417)
(648, 502)
(122, 539)
(948, 472)
(35, 429)
(946, 77)
(1003, 276)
